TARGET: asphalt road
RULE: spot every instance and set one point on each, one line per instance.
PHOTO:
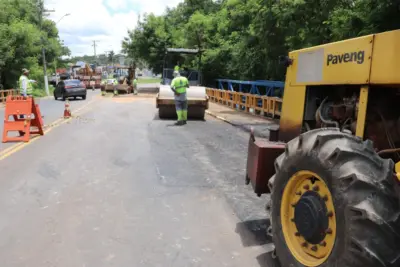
(117, 186)
(51, 110)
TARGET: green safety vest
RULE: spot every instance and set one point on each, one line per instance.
(135, 82)
(29, 88)
(180, 84)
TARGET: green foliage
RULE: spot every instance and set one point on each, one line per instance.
(243, 39)
(111, 57)
(21, 35)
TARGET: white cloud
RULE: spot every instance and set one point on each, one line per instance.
(105, 21)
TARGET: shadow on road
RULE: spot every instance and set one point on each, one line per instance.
(268, 260)
(254, 233)
(157, 118)
(149, 90)
(71, 99)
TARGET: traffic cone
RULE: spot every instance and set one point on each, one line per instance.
(67, 111)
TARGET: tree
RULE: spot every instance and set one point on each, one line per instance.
(111, 57)
(21, 35)
(243, 39)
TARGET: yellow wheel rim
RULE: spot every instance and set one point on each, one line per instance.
(308, 218)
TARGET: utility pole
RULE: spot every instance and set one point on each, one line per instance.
(41, 14)
(107, 53)
(94, 48)
(112, 59)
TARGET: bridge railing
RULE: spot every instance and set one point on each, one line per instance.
(258, 88)
(5, 93)
(266, 88)
(269, 106)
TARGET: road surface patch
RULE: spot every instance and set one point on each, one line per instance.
(123, 100)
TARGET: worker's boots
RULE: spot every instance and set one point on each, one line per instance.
(180, 123)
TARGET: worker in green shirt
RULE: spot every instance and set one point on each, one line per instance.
(135, 86)
(178, 86)
(25, 85)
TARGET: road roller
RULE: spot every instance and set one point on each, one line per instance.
(196, 94)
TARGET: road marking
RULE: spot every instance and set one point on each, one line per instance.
(10, 148)
(15, 148)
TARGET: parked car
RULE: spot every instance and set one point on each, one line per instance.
(70, 88)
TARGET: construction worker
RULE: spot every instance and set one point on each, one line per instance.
(103, 85)
(176, 68)
(120, 81)
(178, 86)
(135, 86)
(25, 85)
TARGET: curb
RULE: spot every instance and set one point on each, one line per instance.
(250, 129)
(220, 118)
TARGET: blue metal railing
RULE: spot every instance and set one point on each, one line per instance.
(259, 87)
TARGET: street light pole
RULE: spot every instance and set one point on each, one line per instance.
(46, 82)
(55, 60)
(42, 10)
(63, 17)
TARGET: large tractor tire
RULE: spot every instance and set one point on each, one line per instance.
(334, 203)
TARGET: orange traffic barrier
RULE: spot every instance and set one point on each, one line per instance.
(67, 110)
(21, 109)
(254, 104)
(5, 93)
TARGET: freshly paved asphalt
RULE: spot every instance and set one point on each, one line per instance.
(117, 186)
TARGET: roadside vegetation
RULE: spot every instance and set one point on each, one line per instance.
(244, 39)
(22, 34)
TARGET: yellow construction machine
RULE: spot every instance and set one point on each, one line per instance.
(122, 83)
(332, 167)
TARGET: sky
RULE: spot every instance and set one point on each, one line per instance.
(103, 21)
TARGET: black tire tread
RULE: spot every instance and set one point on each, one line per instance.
(365, 182)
